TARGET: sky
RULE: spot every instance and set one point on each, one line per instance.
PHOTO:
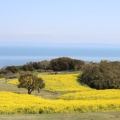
(71, 23)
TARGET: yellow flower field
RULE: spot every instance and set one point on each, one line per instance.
(2, 78)
(63, 82)
(13, 81)
(11, 103)
(92, 95)
(79, 99)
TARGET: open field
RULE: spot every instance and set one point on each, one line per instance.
(92, 95)
(59, 83)
(12, 103)
(2, 78)
(13, 88)
(63, 94)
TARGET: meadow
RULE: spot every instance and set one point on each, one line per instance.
(2, 78)
(59, 83)
(110, 94)
(72, 98)
(12, 103)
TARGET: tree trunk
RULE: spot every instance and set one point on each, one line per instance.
(29, 91)
(38, 90)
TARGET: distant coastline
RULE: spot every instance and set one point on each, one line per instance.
(22, 55)
(20, 60)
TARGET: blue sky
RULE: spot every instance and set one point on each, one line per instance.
(81, 23)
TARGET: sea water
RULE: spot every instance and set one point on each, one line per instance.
(22, 55)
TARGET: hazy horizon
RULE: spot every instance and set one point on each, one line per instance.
(22, 55)
(86, 29)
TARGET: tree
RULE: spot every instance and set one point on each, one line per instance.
(13, 69)
(45, 64)
(65, 63)
(78, 64)
(31, 82)
(103, 75)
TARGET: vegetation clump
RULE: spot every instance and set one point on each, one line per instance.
(103, 75)
(72, 98)
(57, 64)
(31, 82)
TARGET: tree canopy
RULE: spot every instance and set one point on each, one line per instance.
(65, 63)
(103, 75)
(31, 82)
(57, 64)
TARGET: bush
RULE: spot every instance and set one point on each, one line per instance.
(103, 75)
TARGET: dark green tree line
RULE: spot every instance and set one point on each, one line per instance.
(58, 64)
(103, 75)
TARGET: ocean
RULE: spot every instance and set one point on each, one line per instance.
(22, 55)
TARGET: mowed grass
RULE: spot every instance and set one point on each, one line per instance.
(80, 116)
